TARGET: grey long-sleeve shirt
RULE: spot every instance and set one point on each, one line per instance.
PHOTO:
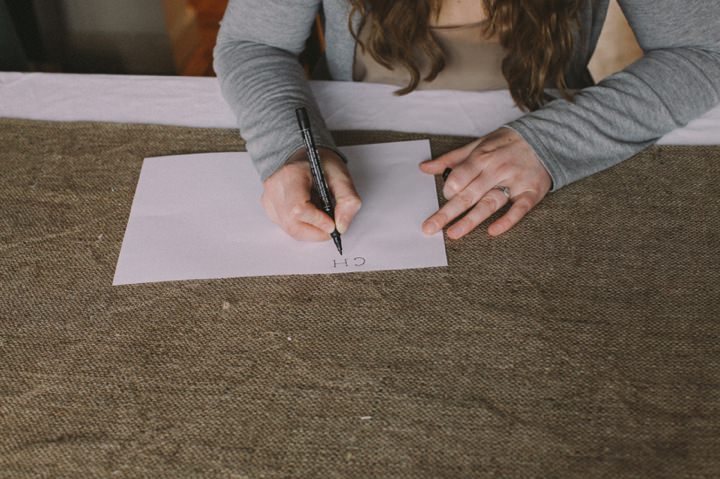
(676, 81)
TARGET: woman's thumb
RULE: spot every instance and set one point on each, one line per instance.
(347, 200)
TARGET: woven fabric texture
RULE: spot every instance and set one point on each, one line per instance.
(583, 343)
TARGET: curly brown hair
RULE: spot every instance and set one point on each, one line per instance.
(537, 34)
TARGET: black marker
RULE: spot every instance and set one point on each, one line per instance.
(328, 203)
(446, 173)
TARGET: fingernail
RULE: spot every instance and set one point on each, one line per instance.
(426, 163)
(430, 228)
(341, 228)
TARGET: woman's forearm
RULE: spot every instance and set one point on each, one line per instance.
(676, 81)
(256, 60)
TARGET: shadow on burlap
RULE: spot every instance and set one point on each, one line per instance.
(584, 343)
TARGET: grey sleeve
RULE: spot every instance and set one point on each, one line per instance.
(677, 80)
(256, 61)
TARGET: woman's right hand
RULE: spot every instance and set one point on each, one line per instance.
(286, 197)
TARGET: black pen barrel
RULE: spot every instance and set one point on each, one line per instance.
(317, 172)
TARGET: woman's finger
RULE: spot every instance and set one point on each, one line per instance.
(308, 213)
(305, 232)
(345, 210)
(462, 175)
(449, 159)
(486, 207)
(522, 204)
(459, 204)
(347, 200)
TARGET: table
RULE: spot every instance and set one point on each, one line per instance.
(584, 343)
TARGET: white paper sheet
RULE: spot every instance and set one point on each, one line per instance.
(199, 217)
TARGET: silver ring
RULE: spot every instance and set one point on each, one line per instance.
(505, 190)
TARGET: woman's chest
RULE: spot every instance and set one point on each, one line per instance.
(459, 12)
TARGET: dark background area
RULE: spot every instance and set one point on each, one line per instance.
(176, 37)
(162, 37)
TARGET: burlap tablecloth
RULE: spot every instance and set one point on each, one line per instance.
(584, 343)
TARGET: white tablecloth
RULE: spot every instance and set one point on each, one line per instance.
(196, 102)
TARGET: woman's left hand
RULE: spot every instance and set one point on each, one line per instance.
(502, 158)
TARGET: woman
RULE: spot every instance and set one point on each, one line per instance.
(527, 45)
